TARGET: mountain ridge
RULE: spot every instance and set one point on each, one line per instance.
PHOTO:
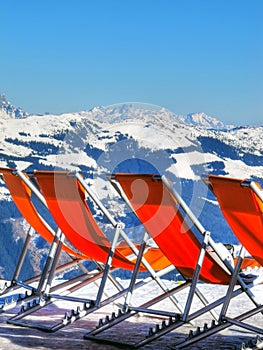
(146, 126)
(197, 118)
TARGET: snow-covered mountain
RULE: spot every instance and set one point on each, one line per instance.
(81, 140)
(132, 138)
(203, 120)
(7, 110)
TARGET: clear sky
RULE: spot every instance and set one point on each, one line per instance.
(186, 55)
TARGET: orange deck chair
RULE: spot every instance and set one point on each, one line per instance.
(161, 210)
(21, 190)
(241, 202)
(64, 193)
(66, 201)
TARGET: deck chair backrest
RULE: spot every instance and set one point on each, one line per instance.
(21, 195)
(66, 201)
(243, 210)
(157, 209)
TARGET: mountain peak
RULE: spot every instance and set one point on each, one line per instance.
(3, 100)
(203, 120)
(7, 110)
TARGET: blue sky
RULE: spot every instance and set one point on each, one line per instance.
(186, 55)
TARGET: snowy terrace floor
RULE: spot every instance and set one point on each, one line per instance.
(71, 337)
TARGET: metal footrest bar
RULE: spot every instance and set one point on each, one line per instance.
(131, 311)
(6, 286)
(29, 295)
(159, 328)
(69, 317)
(153, 312)
(76, 314)
(109, 321)
(243, 325)
(29, 304)
(215, 327)
(68, 298)
(15, 301)
(13, 285)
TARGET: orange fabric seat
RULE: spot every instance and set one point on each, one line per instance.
(66, 201)
(243, 211)
(157, 210)
(21, 194)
